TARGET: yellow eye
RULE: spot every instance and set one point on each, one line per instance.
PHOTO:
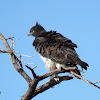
(33, 31)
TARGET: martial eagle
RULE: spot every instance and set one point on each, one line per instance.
(55, 50)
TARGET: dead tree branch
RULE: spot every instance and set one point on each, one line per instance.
(50, 84)
(34, 75)
(14, 60)
(3, 51)
(33, 90)
(94, 84)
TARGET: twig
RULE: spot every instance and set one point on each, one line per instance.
(96, 82)
(10, 38)
(18, 60)
(34, 67)
(33, 73)
(26, 55)
(23, 60)
(12, 45)
(84, 79)
(1, 48)
(3, 51)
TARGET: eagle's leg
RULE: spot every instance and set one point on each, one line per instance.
(51, 77)
(56, 78)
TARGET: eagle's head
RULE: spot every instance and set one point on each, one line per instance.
(36, 30)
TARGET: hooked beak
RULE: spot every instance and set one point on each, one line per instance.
(30, 33)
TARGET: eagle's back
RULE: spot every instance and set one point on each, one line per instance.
(56, 47)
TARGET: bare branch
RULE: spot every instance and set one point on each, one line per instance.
(34, 67)
(50, 84)
(34, 75)
(33, 90)
(3, 51)
(5, 43)
(13, 45)
(14, 60)
(10, 38)
(84, 79)
(57, 71)
(47, 85)
(26, 55)
(23, 60)
(96, 82)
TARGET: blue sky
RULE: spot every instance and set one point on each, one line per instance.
(78, 20)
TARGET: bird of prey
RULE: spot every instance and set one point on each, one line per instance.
(56, 50)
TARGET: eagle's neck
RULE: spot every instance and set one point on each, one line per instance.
(41, 33)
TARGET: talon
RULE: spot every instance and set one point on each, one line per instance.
(57, 80)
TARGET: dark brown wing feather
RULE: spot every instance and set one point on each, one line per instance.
(59, 49)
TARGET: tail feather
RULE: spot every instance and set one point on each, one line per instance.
(77, 72)
(82, 64)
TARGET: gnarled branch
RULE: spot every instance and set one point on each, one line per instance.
(33, 90)
(14, 60)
